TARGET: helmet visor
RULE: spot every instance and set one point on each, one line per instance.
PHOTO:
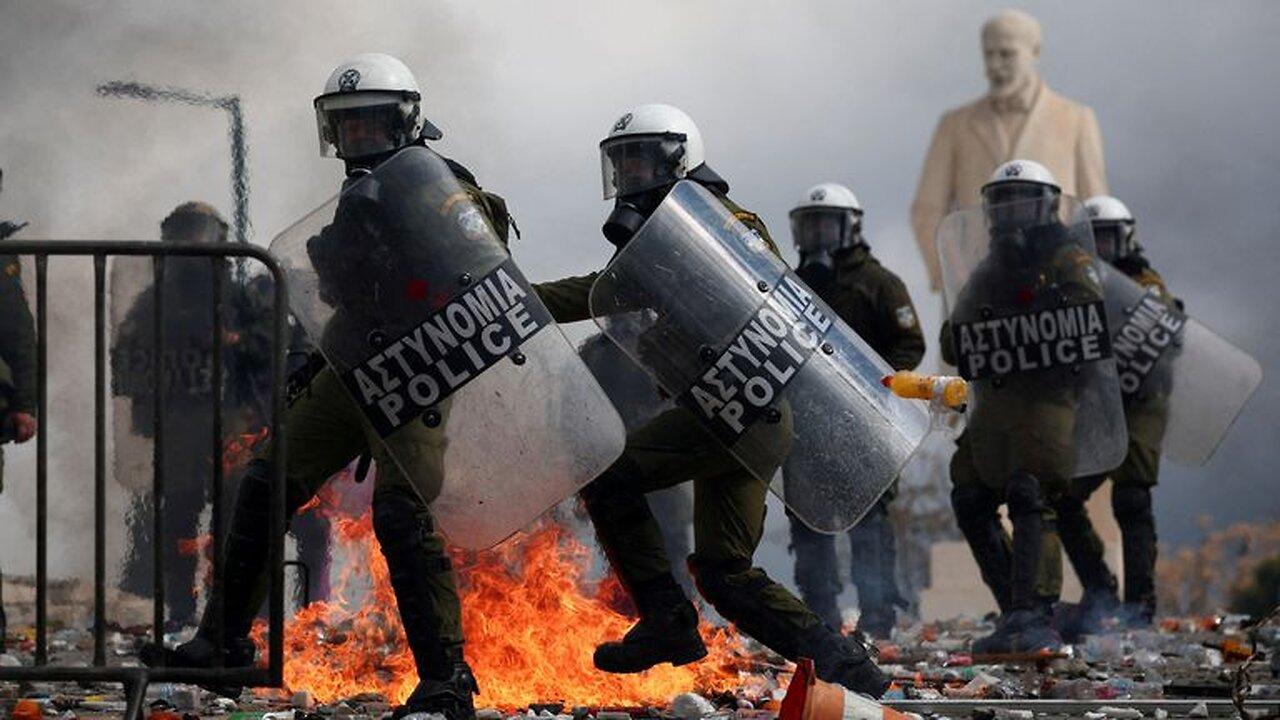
(819, 229)
(1113, 239)
(360, 131)
(635, 163)
(1014, 205)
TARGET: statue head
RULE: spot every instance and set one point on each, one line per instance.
(1010, 49)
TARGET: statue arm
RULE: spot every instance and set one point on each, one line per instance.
(934, 198)
(1091, 169)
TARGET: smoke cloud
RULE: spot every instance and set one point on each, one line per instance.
(787, 95)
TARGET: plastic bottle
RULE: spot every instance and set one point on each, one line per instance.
(951, 390)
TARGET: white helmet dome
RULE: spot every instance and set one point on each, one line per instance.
(1022, 171)
(1104, 208)
(828, 218)
(659, 144)
(1020, 194)
(829, 195)
(378, 89)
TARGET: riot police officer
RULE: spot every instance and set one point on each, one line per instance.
(1036, 395)
(836, 261)
(370, 110)
(1114, 232)
(645, 154)
(185, 364)
(17, 364)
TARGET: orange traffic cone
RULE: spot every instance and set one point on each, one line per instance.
(27, 710)
(809, 698)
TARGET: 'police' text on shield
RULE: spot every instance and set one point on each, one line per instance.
(1027, 342)
(1150, 329)
(454, 345)
(749, 376)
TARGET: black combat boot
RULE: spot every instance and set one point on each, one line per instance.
(244, 585)
(1097, 612)
(450, 695)
(667, 631)
(843, 660)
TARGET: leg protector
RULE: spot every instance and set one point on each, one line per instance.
(1134, 514)
(874, 572)
(312, 533)
(1085, 550)
(422, 578)
(183, 505)
(747, 597)
(624, 524)
(1026, 513)
(244, 573)
(816, 574)
(976, 513)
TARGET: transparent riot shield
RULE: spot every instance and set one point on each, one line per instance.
(1028, 329)
(697, 299)
(455, 363)
(1183, 384)
(182, 395)
(630, 390)
(164, 385)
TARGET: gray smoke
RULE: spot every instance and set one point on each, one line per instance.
(787, 95)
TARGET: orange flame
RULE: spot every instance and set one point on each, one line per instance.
(239, 449)
(531, 618)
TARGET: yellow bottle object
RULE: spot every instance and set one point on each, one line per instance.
(953, 391)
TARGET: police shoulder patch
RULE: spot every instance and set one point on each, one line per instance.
(12, 269)
(906, 317)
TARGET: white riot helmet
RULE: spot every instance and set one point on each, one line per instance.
(1020, 194)
(648, 147)
(826, 219)
(1113, 226)
(370, 106)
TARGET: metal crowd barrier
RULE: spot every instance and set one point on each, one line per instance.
(136, 679)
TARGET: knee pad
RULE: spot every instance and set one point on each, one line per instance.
(1022, 494)
(721, 582)
(1131, 503)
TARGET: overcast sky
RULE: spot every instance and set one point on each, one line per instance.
(787, 94)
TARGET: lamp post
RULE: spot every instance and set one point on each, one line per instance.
(235, 116)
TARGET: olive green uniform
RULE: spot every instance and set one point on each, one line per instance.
(17, 346)
(1130, 495)
(325, 430)
(1017, 448)
(729, 504)
(875, 303)
(17, 363)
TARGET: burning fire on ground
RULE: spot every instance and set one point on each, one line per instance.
(530, 615)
